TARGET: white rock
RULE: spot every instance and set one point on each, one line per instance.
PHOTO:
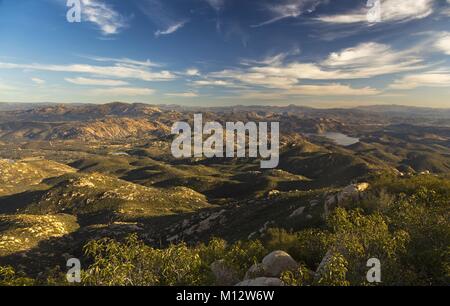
(278, 262)
(257, 270)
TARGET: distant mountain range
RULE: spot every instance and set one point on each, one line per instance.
(67, 112)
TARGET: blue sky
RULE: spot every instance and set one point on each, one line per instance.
(323, 53)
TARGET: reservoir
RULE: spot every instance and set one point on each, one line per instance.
(340, 139)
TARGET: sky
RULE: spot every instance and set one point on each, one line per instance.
(320, 53)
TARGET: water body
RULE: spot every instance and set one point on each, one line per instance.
(340, 139)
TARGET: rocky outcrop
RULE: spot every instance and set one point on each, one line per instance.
(257, 270)
(278, 262)
(267, 273)
(352, 192)
(206, 224)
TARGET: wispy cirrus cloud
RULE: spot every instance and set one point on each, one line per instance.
(112, 71)
(442, 43)
(124, 61)
(319, 90)
(391, 11)
(289, 9)
(362, 61)
(217, 5)
(183, 94)
(123, 91)
(38, 81)
(98, 12)
(163, 15)
(95, 82)
(171, 29)
(216, 83)
(333, 89)
(426, 79)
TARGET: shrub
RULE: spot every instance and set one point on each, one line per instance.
(300, 277)
(9, 277)
(133, 263)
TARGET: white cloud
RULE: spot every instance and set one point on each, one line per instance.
(333, 89)
(360, 62)
(321, 90)
(125, 61)
(171, 29)
(220, 83)
(289, 9)
(103, 15)
(38, 81)
(371, 59)
(95, 82)
(192, 72)
(183, 94)
(217, 5)
(345, 18)
(116, 71)
(266, 78)
(361, 54)
(124, 91)
(427, 79)
(443, 43)
(391, 11)
(276, 59)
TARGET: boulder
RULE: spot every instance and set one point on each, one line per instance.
(353, 192)
(257, 270)
(224, 275)
(278, 262)
(261, 282)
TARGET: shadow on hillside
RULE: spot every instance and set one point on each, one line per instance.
(12, 203)
(49, 254)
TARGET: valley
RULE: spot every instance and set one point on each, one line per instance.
(74, 174)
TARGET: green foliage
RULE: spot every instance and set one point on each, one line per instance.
(405, 223)
(300, 277)
(308, 246)
(360, 237)
(425, 217)
(334, 272)
(9, 277)
(409, 232)
(132, 263)
(242, 255)
(410, 185)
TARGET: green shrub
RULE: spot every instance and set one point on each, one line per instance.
(300, 277)
(308, 246)
(9, 277)
(334, 272)
(135, 264)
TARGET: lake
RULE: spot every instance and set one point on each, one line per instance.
(340, 139)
